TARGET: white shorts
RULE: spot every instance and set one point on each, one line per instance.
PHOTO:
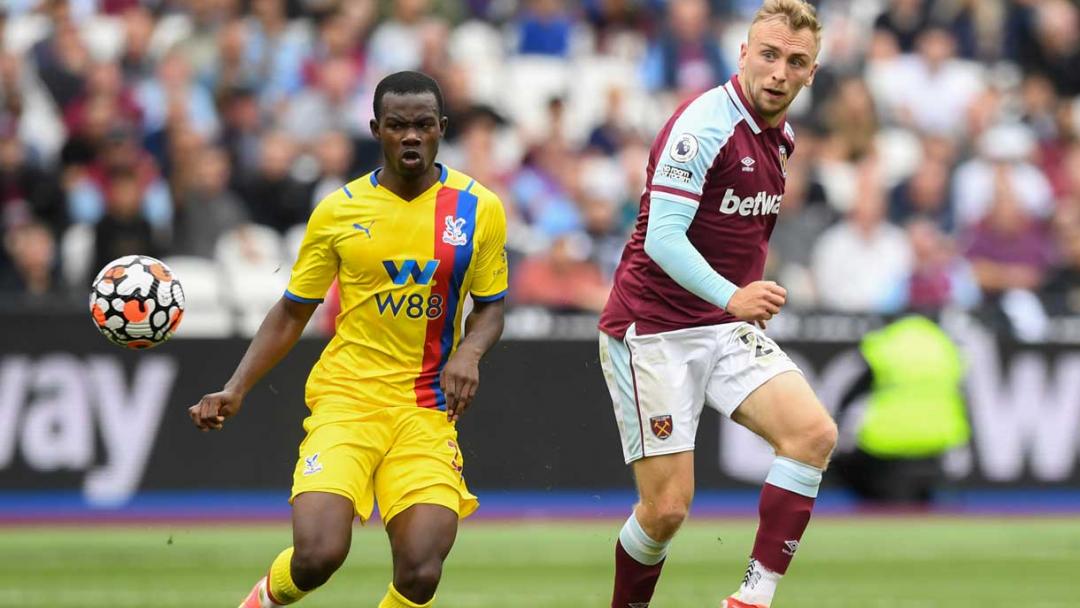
(660, 382)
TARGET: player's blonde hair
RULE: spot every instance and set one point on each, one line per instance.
(798, 14)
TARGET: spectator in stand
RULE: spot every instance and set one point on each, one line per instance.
(939, 277)
(199, 45)
(274, 52)
(858, 261)
(26, 103)
(610, 135)
(458, 105)
(209, 209)
(804, 216)
(1009, 249)
(395, 43)
(902, 21)
(1056, 53)
(232, 71)
(62, 58)
(272, 195)
(599, 194)
(929, 91)
(545, 27)
(1038, 104)
(851, 119)
(561, 278)
(27, 193)
(334, 104)
(334, 151)
(1004, 152)
(105, 82)
(617, 24)
(123, 230)
(686, 59)
(924, 195)
(342, 34)
(135, 60)
(121, 151)
(31, 272)
(241, 125)
(541, 197)
(174, 94)
(977, 25)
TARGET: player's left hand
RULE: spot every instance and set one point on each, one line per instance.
(459, 380)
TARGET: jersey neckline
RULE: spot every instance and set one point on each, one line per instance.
(443, 174)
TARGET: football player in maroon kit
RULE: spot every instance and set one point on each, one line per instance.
(684, 324)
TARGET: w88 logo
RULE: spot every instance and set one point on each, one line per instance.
(413, 306)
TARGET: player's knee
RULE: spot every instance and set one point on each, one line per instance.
(662, 519)
(815, 444)
(312, 565)
(825, 438)
(418, 580)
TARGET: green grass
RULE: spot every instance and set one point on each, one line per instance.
(888, 563)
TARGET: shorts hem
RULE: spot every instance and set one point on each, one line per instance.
(666, 452)
(772, 373)
(462, 507)
(338, 491)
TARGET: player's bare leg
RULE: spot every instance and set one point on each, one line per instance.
(786, 413)
(420, 539)
(322, 533)
(666, 488)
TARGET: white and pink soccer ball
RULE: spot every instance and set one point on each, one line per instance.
(136, 302)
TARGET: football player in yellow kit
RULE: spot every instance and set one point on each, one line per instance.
(407, 244)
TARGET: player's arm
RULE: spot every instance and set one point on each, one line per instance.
(694, 142)
(461, 376)
(316, 267)
(276, 336)
(667, 244)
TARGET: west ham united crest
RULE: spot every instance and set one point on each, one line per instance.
(661, 426)
(783, 160)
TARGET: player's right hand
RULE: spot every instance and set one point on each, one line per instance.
(210, 412)
(757, 302)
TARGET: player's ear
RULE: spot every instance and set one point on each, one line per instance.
(374, 126)
(443, 122)
(813, 72)
(744, 50)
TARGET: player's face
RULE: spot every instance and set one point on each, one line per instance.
(775, 64)
(409, 130)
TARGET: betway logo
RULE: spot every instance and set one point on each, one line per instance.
(762, 204)
(84, 415)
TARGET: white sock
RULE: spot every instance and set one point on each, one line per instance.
(640, 545)
(759, 585)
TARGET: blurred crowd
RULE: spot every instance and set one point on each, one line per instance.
(937, 161)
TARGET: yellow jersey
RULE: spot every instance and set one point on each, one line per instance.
(404, 269)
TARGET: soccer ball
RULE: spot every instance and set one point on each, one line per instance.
(136, 302)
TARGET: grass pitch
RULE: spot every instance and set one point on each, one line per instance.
(890, 563)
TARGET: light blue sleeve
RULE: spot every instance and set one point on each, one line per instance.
(667, 244)
(693, 142)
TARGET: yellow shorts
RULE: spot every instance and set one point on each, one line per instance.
(399, 456)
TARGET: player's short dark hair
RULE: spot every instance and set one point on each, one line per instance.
(404, 83)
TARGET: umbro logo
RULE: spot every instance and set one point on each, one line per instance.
(748, 164)
(792, 546)
(638, 605)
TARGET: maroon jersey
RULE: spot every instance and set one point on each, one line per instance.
(716, 154)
